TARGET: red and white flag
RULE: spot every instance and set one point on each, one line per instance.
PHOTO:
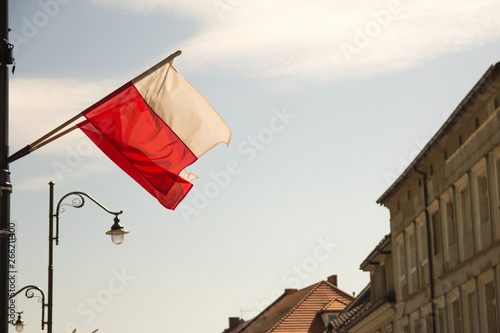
(155, 126)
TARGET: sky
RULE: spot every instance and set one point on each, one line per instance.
(327, 101)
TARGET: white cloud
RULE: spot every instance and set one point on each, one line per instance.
(37, 106)
(192, 8)
(74, 176)
(285, 42)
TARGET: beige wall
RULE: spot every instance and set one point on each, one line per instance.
(463, 182)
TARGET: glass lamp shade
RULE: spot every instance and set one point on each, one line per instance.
(117, 239)
(19, 324)
(19, 327)
(117, 232)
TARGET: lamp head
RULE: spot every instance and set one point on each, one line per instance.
(19, 322)
(117, 232)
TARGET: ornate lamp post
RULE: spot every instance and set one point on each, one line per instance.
(117, 233)
(29, 293)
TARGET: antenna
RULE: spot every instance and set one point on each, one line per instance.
(241, 312)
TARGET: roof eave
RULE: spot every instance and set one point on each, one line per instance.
(376, 251)
(454, 117)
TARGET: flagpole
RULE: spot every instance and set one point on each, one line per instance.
(51, 136)
(155, 67)
(5, 185)
(55, 130)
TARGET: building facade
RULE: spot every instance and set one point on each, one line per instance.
(445, 222)
(373, 309)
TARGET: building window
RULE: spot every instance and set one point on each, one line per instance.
(428, 322)
(471, 312)
(451, 233)
(402, 268)
(423, 253)
(497, 165)
(465, 203)
(456, 316)
(416, 324)
(491, 307)
(482, 191)
(383, 278)
(412, 261)
(331, 317)
(481, 209)
(436, 233)
(466, 221)
(441, 321)
(496, 205)
(450, 223)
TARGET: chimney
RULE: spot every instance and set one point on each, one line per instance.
(290, 291)
(333, 280)
(234, 322)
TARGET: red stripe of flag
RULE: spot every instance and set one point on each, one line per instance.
(131, 134)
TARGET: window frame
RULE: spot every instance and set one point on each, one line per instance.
(483, 280)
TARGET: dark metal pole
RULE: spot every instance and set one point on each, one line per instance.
(54, 214)
(51, 252)
(5, 185)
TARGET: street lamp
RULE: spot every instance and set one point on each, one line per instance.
(19, 323)
(29, 293)
(117, 233)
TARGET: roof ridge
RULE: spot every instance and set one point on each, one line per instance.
(296, 305)
(336, 299)
(250, 322)
(339, 290)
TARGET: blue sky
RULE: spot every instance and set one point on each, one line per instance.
(327, 101)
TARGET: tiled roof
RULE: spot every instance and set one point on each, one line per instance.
(336, 304)
(353, 310)
(298, 312)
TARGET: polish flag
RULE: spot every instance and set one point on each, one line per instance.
(155, 126)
